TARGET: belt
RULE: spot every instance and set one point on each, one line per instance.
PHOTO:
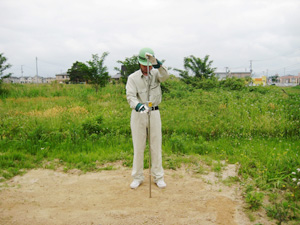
(154, 108)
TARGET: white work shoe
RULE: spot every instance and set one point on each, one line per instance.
(135, 184)
(161, 183)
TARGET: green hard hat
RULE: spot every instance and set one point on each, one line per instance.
(142, 57)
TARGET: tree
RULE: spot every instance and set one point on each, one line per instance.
(97, 72)
(274, 78)
(78, 72)
(3, 67)
(200, 68)
(129, 66)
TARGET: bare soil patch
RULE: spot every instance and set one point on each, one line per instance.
(53, 197)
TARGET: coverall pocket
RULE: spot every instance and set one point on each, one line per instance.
(143, 94)
(155, 93)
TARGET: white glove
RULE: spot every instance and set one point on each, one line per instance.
(151, 58)
(146, 109)
(155, 63)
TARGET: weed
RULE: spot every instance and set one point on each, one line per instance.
(279, 211)
(200, 170)
(231, 180)
(107, 168)
(254, 200)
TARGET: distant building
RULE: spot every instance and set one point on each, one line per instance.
(62, 78)
(25, 80)
(260, 81)
(12, 80)
(29, 80)
(221, 75)
(37, 79)
(224, 75)
(239, 74)
(49, 80)
(290, 79)
(116, 77)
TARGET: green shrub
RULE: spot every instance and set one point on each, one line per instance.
(92, 125)
(233, 83)
(206, 84)
(280, 211)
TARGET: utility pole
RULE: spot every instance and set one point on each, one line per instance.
(251, 67)
(267, 79)
(36, 65)
(21, 70)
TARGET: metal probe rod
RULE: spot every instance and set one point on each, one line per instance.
(149, 82)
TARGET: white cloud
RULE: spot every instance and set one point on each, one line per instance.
(232, 32)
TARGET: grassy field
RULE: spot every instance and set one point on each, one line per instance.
(258, 128)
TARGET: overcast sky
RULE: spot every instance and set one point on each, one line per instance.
(231, 32)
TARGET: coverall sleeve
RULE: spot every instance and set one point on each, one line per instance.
(131, 93)
(163, 74)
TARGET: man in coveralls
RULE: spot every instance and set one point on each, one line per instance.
(137, 97)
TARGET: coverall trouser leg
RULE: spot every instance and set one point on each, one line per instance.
(139, 125)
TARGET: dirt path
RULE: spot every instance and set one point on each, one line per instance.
(51, 197)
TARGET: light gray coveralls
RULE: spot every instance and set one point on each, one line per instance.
(136, 92)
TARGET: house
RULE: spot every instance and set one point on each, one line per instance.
(29, 80)
(49, 80)
(25, 80)
(260, 81)
(116, 76)
(224, 75)
(239, 74)
(37, 79)
(221, 75)
(62, 78)
(290, 79)
(12, 80)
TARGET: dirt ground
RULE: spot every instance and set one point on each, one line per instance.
(53, 197)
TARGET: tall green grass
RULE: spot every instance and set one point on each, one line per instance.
(257, 128)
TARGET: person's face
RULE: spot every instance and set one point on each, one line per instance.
(144, 69)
